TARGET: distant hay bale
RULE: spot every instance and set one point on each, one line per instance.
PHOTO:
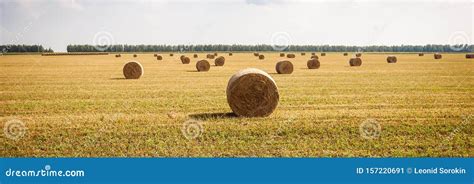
(210, 56)
(358, 54)
(290, 56)
(171, 54)
(155, 55)
(252, 93)
(312, 53)
(421, 54)
(313, 64)
(355, 61)
(219, 61)
(255, 54)
(134, 55)
(159, 57)
(345, 54)
(438, 56)
(133, 70)
(469, 56)
(182, 57)
(284, 67)
(230, 54)
(185, 60)
(203, 66)
(118, 55)
(314, 57)
(195, 56)
(323, 54)
(282, 54)
(303, 53)
(391, 59)
(261, 56)
(215, 54)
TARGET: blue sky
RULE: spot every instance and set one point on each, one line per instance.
(56, 23)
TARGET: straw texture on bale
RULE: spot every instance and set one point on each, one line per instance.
(313, 64)
(252, 93)
(282, 54)
(219, 61)
(391, 59)
(261, 56)
(203, 66)
(290, 56)
(358, 54)
(421, 54)
(284, 67)
(255, 54)
(185, 60)
(314, 57)
(469, 56)
(210, 56)
(159, 57)
(195, 56)
(437, 56)
(355, 61)
(323, 54)
(133, 70)
(345, 54)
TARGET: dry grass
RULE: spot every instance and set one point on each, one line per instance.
(81, 106)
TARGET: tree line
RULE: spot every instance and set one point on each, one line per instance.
(24, 48)
(266, 47)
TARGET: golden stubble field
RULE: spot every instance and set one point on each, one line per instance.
(80, 106)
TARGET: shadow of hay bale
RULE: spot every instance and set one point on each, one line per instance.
(208, 116)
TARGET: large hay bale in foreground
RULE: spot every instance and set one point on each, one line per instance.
(159, 57)
(185, 60)
(323, 54)
(133, 70)
(219, 61)
(345, 54)
(469, 56)
(358, 54)
(355, 61)
(261, 56)
(313, 64)
(210, 56)
(252, 93)
(391, 59)
(290, 56)
(438, 56)
(314, 57)
(256, 54)
(195, 56)
(282, 54)
(284, 67)
(421, 54)
(203, 66)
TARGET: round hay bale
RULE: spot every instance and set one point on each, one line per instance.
(282, 54)
(391, 59)
(313, 64)
(118, 55)
(252, 93)
(314, 57)
(421, 54)
(284, 67)
(155, 55)
(134, 55)
(255, 54)
(290, 56)
(345, 54)
(215, 54)
(181, 57)
(355, 61)
(203, 66)
(185, 60)
(312, 53)
(261, 56)
(303, 53)
(195, 56)
(358, 54)
(438, 56)
(323, 54)
(469, 56)
(210, 56)
(133, 70)
(230, 54)
(219, 61)
(171, 54)
(159, 57)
